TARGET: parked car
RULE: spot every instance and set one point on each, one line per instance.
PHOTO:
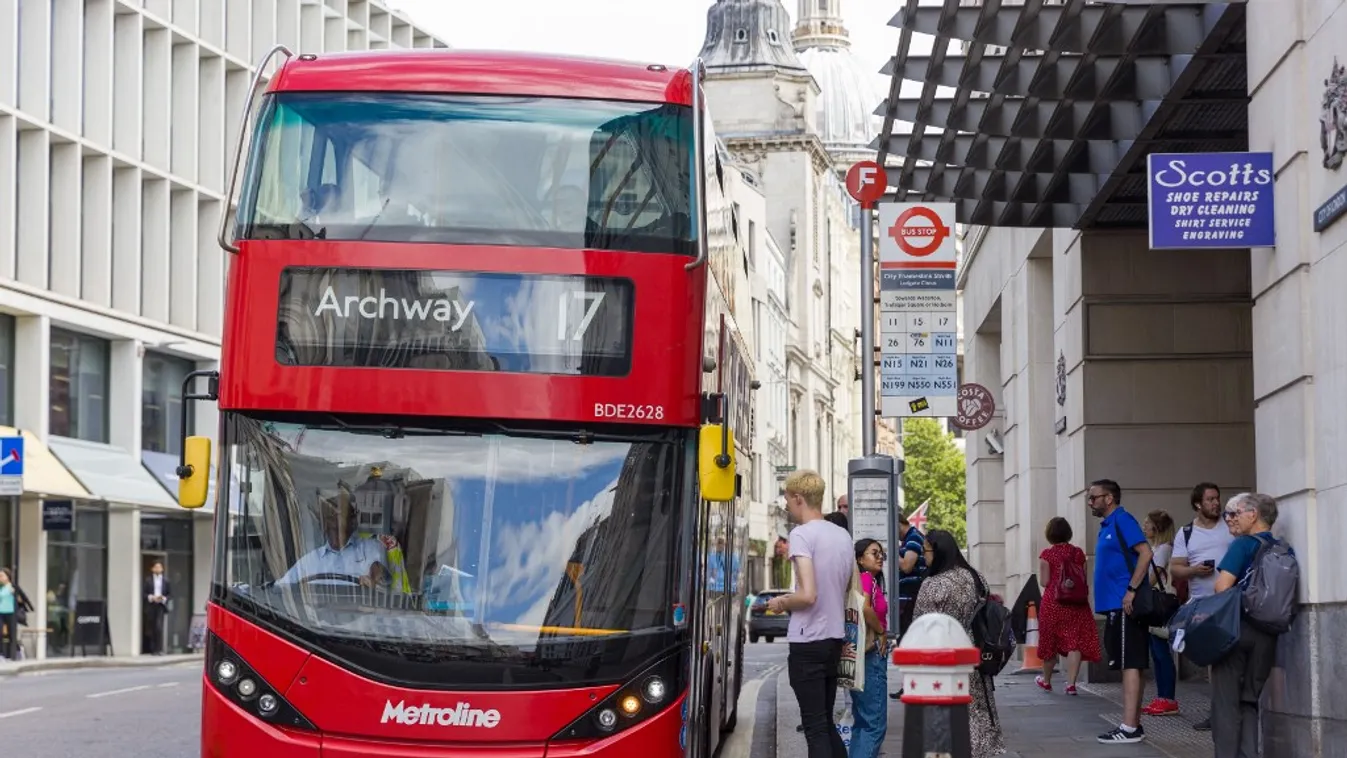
(765, 623)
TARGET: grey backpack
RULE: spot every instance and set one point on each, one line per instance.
(1269, 587)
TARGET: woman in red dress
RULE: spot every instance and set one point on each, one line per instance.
(1064, 627)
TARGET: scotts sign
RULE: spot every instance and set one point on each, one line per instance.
(919, 231)
(428, 715)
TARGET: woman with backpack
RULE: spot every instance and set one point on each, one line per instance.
(1065, 622)
(953, 588)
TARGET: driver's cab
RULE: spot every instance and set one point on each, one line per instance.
(363, 526)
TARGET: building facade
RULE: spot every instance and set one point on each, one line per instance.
(118, 128)
(765, 104)
(1164, 368)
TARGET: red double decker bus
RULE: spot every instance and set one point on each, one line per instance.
(477, 488)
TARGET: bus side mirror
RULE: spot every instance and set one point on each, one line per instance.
(716, 469)
(194, 473)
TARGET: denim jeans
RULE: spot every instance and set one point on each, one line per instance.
(1166, 676)
(813, 676)
(870, 709)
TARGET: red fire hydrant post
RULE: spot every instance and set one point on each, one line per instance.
(936, 659)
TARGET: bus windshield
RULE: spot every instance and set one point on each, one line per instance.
(441, 557)
(489, 170)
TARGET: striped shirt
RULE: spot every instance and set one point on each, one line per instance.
(909, 584)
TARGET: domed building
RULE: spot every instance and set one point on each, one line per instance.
(846, 119)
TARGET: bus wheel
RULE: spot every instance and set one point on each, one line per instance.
(769, 639)
(753, 638)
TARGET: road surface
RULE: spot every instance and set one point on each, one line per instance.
(102, 713)
(156, 712)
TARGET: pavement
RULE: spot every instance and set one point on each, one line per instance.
(1036, 724)
(14, 668)
(149, 711)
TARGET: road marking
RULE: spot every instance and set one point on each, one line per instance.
(740, 743)
(168, 684)
(123, 691)
(20, 712)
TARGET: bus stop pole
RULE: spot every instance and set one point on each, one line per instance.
(867, 360)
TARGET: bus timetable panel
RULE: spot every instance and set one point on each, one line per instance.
(455, 321)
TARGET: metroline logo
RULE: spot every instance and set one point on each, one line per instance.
(428, 715)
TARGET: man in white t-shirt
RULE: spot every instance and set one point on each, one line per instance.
(824, 559)
(1199, 548)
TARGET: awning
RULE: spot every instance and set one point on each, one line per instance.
(1051, 109)
(43, 474)
(110, 473)
(164, 468)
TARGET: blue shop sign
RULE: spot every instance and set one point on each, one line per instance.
(1211, 200)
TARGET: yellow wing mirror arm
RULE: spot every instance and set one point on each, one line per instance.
(194, 461)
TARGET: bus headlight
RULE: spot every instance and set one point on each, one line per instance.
(648, 694)
(655, 690)
(227, 672)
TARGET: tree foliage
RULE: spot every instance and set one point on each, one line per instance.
(935, 471)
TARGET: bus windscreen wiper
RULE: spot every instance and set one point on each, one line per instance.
(398, 431)
(583, 436)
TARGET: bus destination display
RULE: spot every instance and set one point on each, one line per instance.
(454, 321)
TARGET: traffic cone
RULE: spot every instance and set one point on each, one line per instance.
(1031, 660)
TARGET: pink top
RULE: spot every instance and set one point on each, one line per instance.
(875, 592)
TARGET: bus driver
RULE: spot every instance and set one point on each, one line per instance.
(344, 554)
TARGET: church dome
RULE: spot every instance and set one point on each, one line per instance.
(846, 106)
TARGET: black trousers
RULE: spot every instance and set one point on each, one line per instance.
(1236, 684)
(154, 620)
(813, 676)
(11, 642)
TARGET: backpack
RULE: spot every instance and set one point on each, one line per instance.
(1073, 588)
(991, 631)
(1269, 587)
(1181, 585)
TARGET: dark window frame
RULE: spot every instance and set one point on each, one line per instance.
(8, 336)
(80, 337)
(170, 431)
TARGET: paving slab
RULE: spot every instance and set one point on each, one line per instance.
(1036, 724)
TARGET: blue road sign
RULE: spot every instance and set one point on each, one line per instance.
(11, 466)
(11, 456)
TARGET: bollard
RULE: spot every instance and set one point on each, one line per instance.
(935, 659)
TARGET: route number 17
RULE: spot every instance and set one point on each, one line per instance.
(590, 307)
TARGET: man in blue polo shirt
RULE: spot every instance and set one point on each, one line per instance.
(1122, 559)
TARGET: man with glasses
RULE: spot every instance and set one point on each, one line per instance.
(1122, 559)
(1199, 548)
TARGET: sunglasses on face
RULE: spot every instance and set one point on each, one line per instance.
(1233, 514)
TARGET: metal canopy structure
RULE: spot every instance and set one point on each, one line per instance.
(1057, 103)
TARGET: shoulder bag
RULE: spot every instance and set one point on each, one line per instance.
(1150, 606)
